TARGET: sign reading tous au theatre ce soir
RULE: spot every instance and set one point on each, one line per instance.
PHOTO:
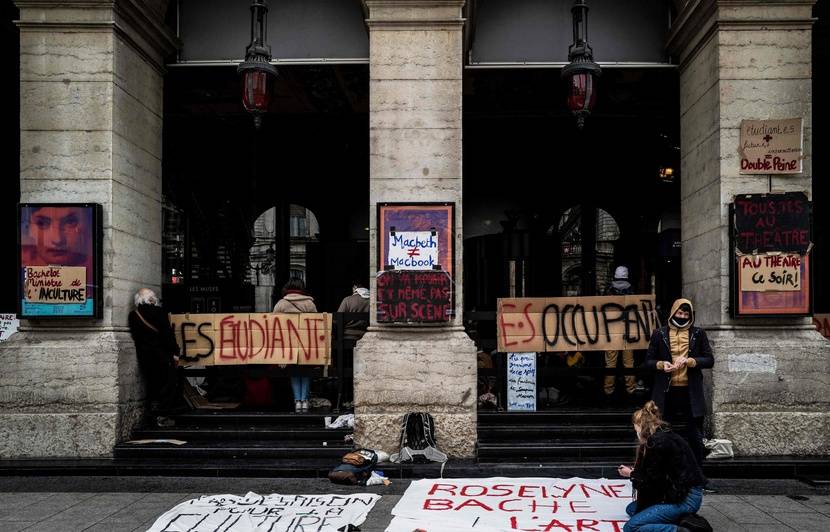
(576, 323)
(227, 339)
(771, 146)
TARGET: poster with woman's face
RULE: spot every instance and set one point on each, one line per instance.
(57, 260)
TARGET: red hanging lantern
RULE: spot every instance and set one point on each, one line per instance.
(581, 73)
(257, 69)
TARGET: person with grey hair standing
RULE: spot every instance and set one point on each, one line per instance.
(157, 352)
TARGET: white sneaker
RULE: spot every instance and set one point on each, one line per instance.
(298, 407)
(304, 406)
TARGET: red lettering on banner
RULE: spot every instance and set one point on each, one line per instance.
(586, 489)
(437, 504)
(565, 492)
(615, 523)
(534, 506)
(524, 491)
(449, 488)
(617, 490)
(503, 488)
(587, 524)
(465, 491)
(503, 505)
(475, 503)
(226, 336)
(581, 510)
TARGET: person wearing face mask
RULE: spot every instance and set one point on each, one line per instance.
(666, 477)
(678, 353)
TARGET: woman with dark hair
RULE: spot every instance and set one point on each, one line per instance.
(666, 477)
(295, 300)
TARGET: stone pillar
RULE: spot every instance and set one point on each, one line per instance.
(91, 76)
(746, 60)
(415, 156)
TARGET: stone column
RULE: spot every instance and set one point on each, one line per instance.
(415, 156)
(746, 60)
(91, 76)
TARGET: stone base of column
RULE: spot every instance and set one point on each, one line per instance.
(416, 370)
(68, 393)
(771, 390)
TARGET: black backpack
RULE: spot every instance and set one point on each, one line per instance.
(695, 523)
(418, 440)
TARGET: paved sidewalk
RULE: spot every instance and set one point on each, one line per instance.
(108, 504)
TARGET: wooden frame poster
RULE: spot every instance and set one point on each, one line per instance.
(60, 260)
(770, 240)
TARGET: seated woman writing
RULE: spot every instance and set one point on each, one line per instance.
(666, 477)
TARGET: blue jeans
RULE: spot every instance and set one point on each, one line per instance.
(662, 517)
(300, 386)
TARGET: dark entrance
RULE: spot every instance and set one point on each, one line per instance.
(246, 209)
(551, 211)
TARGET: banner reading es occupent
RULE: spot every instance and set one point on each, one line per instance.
(58, 262)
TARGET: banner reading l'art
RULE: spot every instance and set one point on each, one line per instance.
(509, 504)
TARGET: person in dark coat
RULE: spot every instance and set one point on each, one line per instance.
(679, 352)
(357, 302)
(666, 477)
(157, 351)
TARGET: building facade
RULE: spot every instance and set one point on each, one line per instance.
(95, 83)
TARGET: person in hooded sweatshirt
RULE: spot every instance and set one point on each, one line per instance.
(679, 352)
(295, 301)
(357, 302)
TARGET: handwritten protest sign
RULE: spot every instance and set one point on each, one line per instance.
(529, 504)
(771, 146)
(772, 223)
(413, 250)
(54, 284)
(414, 297)
(273, 513)
(521, 381)
(576, 323)
(770, 273)
(229, 339)
(8, 325)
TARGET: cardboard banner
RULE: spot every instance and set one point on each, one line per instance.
(55, 284)
(771, 146)
(770, 273)
(273, 513)
(505, 504)
(576, 323)
(521, 382)
(232, 339)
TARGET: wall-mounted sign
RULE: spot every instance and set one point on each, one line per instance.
(771, 146)
(8, 325)
(771, 285)
(521, 382)
(414, 297)
(233, 339)
(772, 223)
(416, 236)
(576, 323)
(60, 260)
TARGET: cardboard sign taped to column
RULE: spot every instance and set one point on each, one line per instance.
(560, 324)
(266, 338)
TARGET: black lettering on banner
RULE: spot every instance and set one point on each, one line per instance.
(545, 313)
(631, 318)
(185, 341)
(564, 327)
(644, 321)
(617, 307)
(595, 339)
(577, 308)
(167, 526)
(206, 337)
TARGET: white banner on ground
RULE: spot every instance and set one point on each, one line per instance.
(272, 513)
(511, 504)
